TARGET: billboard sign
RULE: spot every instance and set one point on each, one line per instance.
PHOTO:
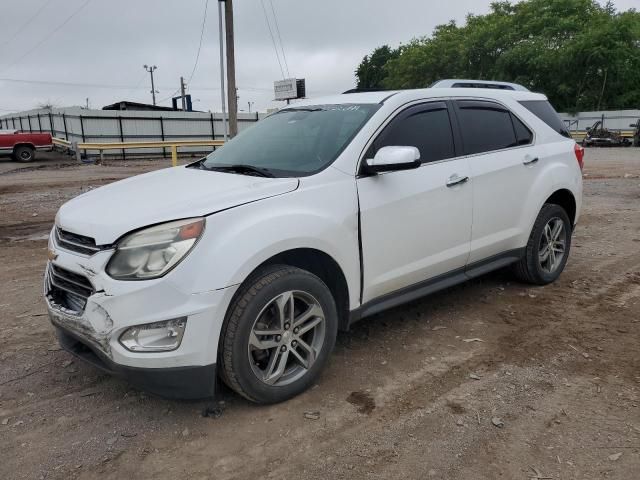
(286, 89)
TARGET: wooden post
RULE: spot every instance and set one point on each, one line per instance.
(232, 99)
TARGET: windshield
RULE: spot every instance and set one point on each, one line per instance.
(293, 142)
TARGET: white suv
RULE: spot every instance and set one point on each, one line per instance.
(245, 265)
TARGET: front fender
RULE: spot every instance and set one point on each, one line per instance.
(237, 241)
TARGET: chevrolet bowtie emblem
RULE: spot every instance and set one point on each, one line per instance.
(51, 254)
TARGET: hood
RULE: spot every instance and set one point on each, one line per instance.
(109, 212)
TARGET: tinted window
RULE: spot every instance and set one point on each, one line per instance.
(426, 127)
(485, 127)
(294, 141)
(523, 134)
(545, 112)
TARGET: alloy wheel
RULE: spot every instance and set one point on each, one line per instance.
(553, 245)
(286, 338)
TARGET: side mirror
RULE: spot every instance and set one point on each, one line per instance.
(391, 159)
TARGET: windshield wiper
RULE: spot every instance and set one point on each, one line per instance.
(241, 169)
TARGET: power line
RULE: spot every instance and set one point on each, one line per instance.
(49, 35)
(284, 57)
(204, 21)
(138, 85)
(25, 24)
(273, 40)
(195, 65)
(117, 87)
(73, 84)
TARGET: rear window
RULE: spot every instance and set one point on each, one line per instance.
(545, 112)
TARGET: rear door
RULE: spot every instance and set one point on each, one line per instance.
(504, 162)
(415, 224)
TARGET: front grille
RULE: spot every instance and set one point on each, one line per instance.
(68, 289)
(76, 243)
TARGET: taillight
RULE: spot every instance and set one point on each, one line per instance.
(579, 151)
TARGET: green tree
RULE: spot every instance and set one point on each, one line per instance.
(370, 72)
(581, 54)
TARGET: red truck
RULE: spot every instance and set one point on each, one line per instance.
(22, 145)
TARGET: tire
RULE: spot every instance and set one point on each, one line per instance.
(250, 361)
(24, 154)
(536, 267)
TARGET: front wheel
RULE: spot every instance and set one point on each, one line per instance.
(278, 334)
(548, 247)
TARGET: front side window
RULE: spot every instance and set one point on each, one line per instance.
(426, 127)
(485, 126)
(294, 141)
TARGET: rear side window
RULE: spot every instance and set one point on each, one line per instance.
(545, 112)
(523, 134)
(485, 126)
(426, 127)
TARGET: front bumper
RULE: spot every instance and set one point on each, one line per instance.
(185, 383)
(93, 333)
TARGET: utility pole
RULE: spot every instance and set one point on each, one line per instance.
(183, 88)
(231, 69)
(153, 85)
(222, 95)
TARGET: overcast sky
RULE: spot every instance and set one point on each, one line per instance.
(100, 51)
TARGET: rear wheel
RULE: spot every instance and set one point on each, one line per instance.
(278, 334)
(23, 153)
(548, 247)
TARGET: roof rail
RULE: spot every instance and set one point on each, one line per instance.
(365, 90)
(491, 84)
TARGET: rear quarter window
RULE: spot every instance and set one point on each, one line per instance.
(545, 112)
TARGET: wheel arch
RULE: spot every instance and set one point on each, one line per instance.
(23, 144)
(321, 264)
(565, 199)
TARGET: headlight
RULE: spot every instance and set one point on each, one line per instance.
(154, 337)
(152, 252)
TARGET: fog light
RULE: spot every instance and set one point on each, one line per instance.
(154, 337)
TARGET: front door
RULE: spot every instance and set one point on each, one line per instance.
(415, 224)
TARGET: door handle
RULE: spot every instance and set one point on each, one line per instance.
(531, 161)
(456, 180)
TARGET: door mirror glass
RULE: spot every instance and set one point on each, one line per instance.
(392, 158)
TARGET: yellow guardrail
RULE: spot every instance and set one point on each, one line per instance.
(60, 142)
(172, 145)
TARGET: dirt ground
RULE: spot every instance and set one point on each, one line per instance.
(550, 390)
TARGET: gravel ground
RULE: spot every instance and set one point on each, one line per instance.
(549, 391)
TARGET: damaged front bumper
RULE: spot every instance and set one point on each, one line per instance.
(92, 330)
(185, 383)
